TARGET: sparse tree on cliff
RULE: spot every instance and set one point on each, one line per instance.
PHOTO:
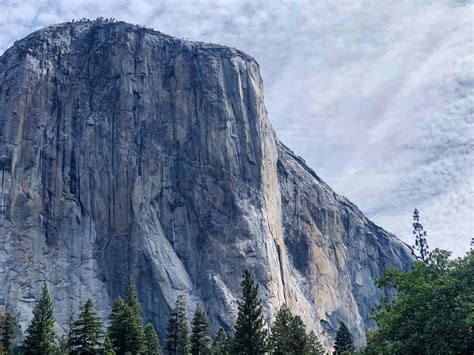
(41, 335)
(421, 248)
(251, 335)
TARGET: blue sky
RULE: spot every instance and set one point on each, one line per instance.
(376, 95)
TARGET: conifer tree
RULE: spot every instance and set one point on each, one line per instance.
(220, 343)
(126, 331)
(118, 326)
(152, 344)
(177, 332)
(344, 342)
(108, 346)
(251, 336)
(86, 332)
(8, 333)
(280, 332)
(313, 345)
(135, 338)
(200, 335)
(298, 335)
(420, 249)
(41, 335)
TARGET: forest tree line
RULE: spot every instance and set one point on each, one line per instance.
(430, 312)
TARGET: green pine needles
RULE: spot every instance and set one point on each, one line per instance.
(200, 334)
(344, 343)
(151, 341)
(177, 332)
(86, 333)
(251, 334)
(288, 335)
(41, 335)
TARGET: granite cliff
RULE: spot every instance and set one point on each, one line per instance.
(124, 150)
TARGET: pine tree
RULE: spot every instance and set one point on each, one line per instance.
(152, 344)
(86, 332)
(220, 343)
(298, 338)
(41, 335)
(135, 338)
(108, 346)
(344, 342)
(126, 331)
(313, 345)
(177, 332)
(251, 336)
(281, 331)
(8, 333)
(420, 249)
(200, 335)
(118, 326)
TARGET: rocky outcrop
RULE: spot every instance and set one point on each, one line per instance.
(123, 150)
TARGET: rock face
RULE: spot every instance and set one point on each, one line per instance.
(126, 151)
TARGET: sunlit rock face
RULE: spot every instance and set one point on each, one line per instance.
(126, 151)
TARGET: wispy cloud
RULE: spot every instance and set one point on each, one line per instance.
(377, 96)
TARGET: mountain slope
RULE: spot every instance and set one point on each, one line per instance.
(126, 151)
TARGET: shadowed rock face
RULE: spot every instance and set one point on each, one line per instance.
(126, 151)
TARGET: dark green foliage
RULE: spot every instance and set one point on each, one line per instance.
(313, 345)
(344, 342)
(86, 332)
(126, 331)
(299, 338)
(281, 331)
(8, 334)
(251, 336)
(420, 249)
(432, 312)
(288, 335)
(152, 344)
(108, 346)
(63, 347)
(200, 334)
(221, 343)
(41, 335)
(177, 332)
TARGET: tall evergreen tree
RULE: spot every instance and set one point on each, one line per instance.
(41, 335)
(288, 333)
(177, 332)
(135, 338)
(298, 336)
(86, 332)
(420, 249)
(251, 336)
(281, 331)
(118, 326)
(344, 342)
(152, 344)
(200, 335)
(8, 333)
(220, 343)
(126, 331)
(108, 346)
(314, 346)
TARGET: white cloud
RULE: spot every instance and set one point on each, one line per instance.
(376, 95)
